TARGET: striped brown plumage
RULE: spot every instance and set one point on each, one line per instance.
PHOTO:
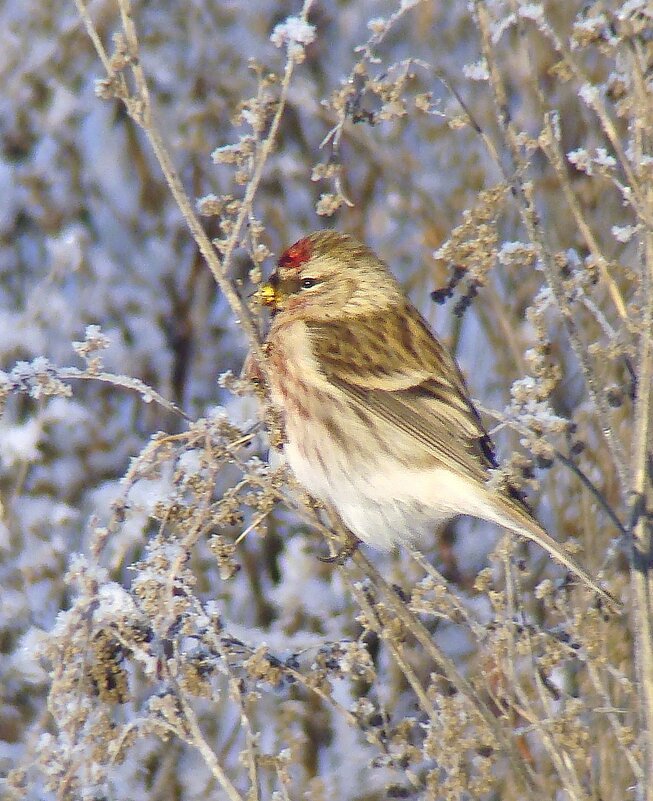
(377, 417)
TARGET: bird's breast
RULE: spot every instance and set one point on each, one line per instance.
(327, 444)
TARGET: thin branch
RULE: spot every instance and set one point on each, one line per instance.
(198, 741)
(135, 384)
(551, 148)
(524, 192)
(642, 516)
(143, 116)
(376, 625)
(566, 461)
(448, 668)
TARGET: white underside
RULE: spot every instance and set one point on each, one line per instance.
(392, 505)
(382, 501)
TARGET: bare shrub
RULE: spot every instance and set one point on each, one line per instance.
(166, 629)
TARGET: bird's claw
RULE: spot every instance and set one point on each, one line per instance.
(342, 554)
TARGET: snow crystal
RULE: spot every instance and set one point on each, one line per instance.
(25, 659)
(603, 159)
(581, 159)
(532, 11)
(206, 200)
(632, 7)
(377, 25)
(501, 25)
(190, 461)
(588, 94)
(295, 33)
(115, 602)
(510, 252)
(624, 233)
(477, 71)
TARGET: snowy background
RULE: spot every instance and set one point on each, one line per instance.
(144, 654)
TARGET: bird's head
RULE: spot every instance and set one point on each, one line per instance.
(329, 275)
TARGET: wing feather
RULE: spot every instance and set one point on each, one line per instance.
(397, 370)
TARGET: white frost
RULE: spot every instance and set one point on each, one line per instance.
(295, 33)
(624, 233)
(19, 442)
(477, 71)
(532, 11)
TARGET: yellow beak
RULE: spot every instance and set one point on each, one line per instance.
(267, 295)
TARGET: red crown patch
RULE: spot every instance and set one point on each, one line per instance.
(294, 256)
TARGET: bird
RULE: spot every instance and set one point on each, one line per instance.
(378, 422)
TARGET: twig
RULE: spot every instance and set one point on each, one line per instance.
(125, 382)
(197, 739)
(587, 482)
(642, 515)
(448, 668)
(531, 221)
(551, 148)
(142, 115)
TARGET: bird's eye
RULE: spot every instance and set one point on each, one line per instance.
(307, 283)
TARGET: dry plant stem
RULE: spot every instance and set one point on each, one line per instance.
(642, 460)
(568, 463)
(641, 205)
(530, 219)
(477, 630)
(507, 615)
(254, 793)
(551, 149)
(448, 667)
(642, 542)
(523, 773)
(498, 310)
(598, 495)
(642, 559)
(143, 117)
(195, 738)
(68, 373)
(563, 765)
(613, 719)
(375, 39)
(140, 110)
(397, 652)
(559, 757)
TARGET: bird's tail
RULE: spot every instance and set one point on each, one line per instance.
(517, 518)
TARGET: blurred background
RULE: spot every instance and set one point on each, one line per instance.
(91, 236)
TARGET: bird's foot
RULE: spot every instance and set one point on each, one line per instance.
(346, 551)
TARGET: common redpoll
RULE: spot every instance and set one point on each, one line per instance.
(378, 421)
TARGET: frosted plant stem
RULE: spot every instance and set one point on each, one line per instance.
(530, 219)
(197, 739)
(551, 148)
(449, 670)
(139, 108)
(134, 384)
(377, 626)
(143, 116)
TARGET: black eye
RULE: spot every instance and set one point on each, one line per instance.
(307, 283)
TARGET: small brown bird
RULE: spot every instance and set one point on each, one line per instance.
(378, 421)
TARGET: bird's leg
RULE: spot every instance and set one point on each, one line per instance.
(346, 550)
(348, 541)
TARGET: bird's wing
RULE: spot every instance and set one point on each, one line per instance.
(391, 365)
(395, 368)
